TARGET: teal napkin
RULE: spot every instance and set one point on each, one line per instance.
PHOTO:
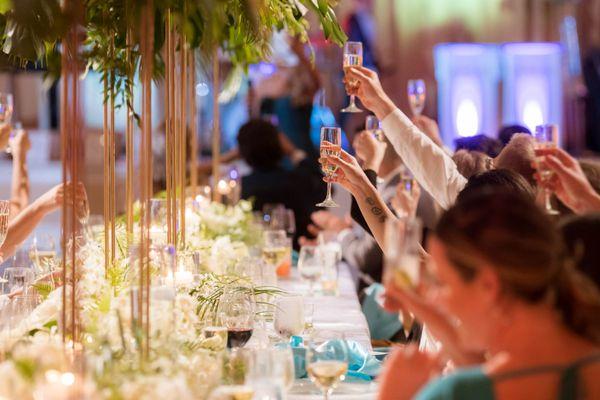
(382, 324)
(361, 364)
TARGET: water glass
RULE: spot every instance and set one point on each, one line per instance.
(18, 279)
(329, 277)
(310, 265)
(289, 315)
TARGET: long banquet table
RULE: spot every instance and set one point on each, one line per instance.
(334, 315)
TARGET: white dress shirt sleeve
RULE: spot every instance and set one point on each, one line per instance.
(431, 166)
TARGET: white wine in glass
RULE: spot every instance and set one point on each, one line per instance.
(4, 213)
(331, 145)
(416, 95)
(327, 365)
(353, 57)
(545, 137)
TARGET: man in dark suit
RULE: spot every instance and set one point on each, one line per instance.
(298, 188)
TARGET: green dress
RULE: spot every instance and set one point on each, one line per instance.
(474, 384)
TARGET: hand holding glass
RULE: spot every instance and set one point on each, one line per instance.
(331, 145)
(353, 57)
(545, 137)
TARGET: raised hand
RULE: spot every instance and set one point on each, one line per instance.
(405, 202)
(369, 150)
(349, 174)
(369, 91)
(569, 183)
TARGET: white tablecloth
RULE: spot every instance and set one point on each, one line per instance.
(335, 315)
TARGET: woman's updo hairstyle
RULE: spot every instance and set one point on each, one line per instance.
(510, 233)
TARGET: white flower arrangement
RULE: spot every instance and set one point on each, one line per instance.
(182, 365)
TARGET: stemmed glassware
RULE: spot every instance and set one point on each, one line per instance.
(353, 57)
(331, 145)
(236, 312)
(4, 214)
(373, 126)
(327, 364)
(42, 253)
(416, 96)
(284, 218)
(310, 265)
(6, 112)
(403, 252)
(545, 137)
(277, 251)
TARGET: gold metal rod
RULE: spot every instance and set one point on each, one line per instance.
(106, 175)
(112, 186)
(216, 137)
(183, 134)
(194, 126)
(168, 130)
(129, 146)
(64, 159)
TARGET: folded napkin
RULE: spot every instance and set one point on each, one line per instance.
(383, 325)
(361, 364)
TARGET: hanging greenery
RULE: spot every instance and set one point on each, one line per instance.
(240, 29)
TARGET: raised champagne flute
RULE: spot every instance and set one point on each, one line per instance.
(331, 145)
(353, 57)
(416, 96)
(327, 364)
(373, 126)
(6, 112)
(545, 137)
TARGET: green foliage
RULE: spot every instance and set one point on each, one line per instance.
(241, 29)
(43, 288)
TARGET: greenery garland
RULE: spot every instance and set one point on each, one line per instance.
(31, 31)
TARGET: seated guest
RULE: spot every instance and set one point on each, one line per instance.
(508, 131)
(263, 148)
(431, 166)
(501, 274)
(581, 233)
(481, 143)
(471, 163)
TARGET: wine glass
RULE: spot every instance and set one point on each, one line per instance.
(6, 111)
(353, 57)
(158, 221)
(288, 320)
(236, 312)
(277, 251)
(416, 96)
(403, 252)
(284, 218)
(373, 126)
(327, 364)
(331, 141)
(545, 137)
(310, 265)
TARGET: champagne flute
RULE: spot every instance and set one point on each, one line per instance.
(4, 213)
(6, 111)
(331, 141)
(545, 137)
(310, 265)
(327, 365)
(416, 96)
(373, 126)
(353, 57)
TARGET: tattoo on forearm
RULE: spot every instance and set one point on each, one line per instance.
(377, 211)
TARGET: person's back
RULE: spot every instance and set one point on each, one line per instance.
(269, 182)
